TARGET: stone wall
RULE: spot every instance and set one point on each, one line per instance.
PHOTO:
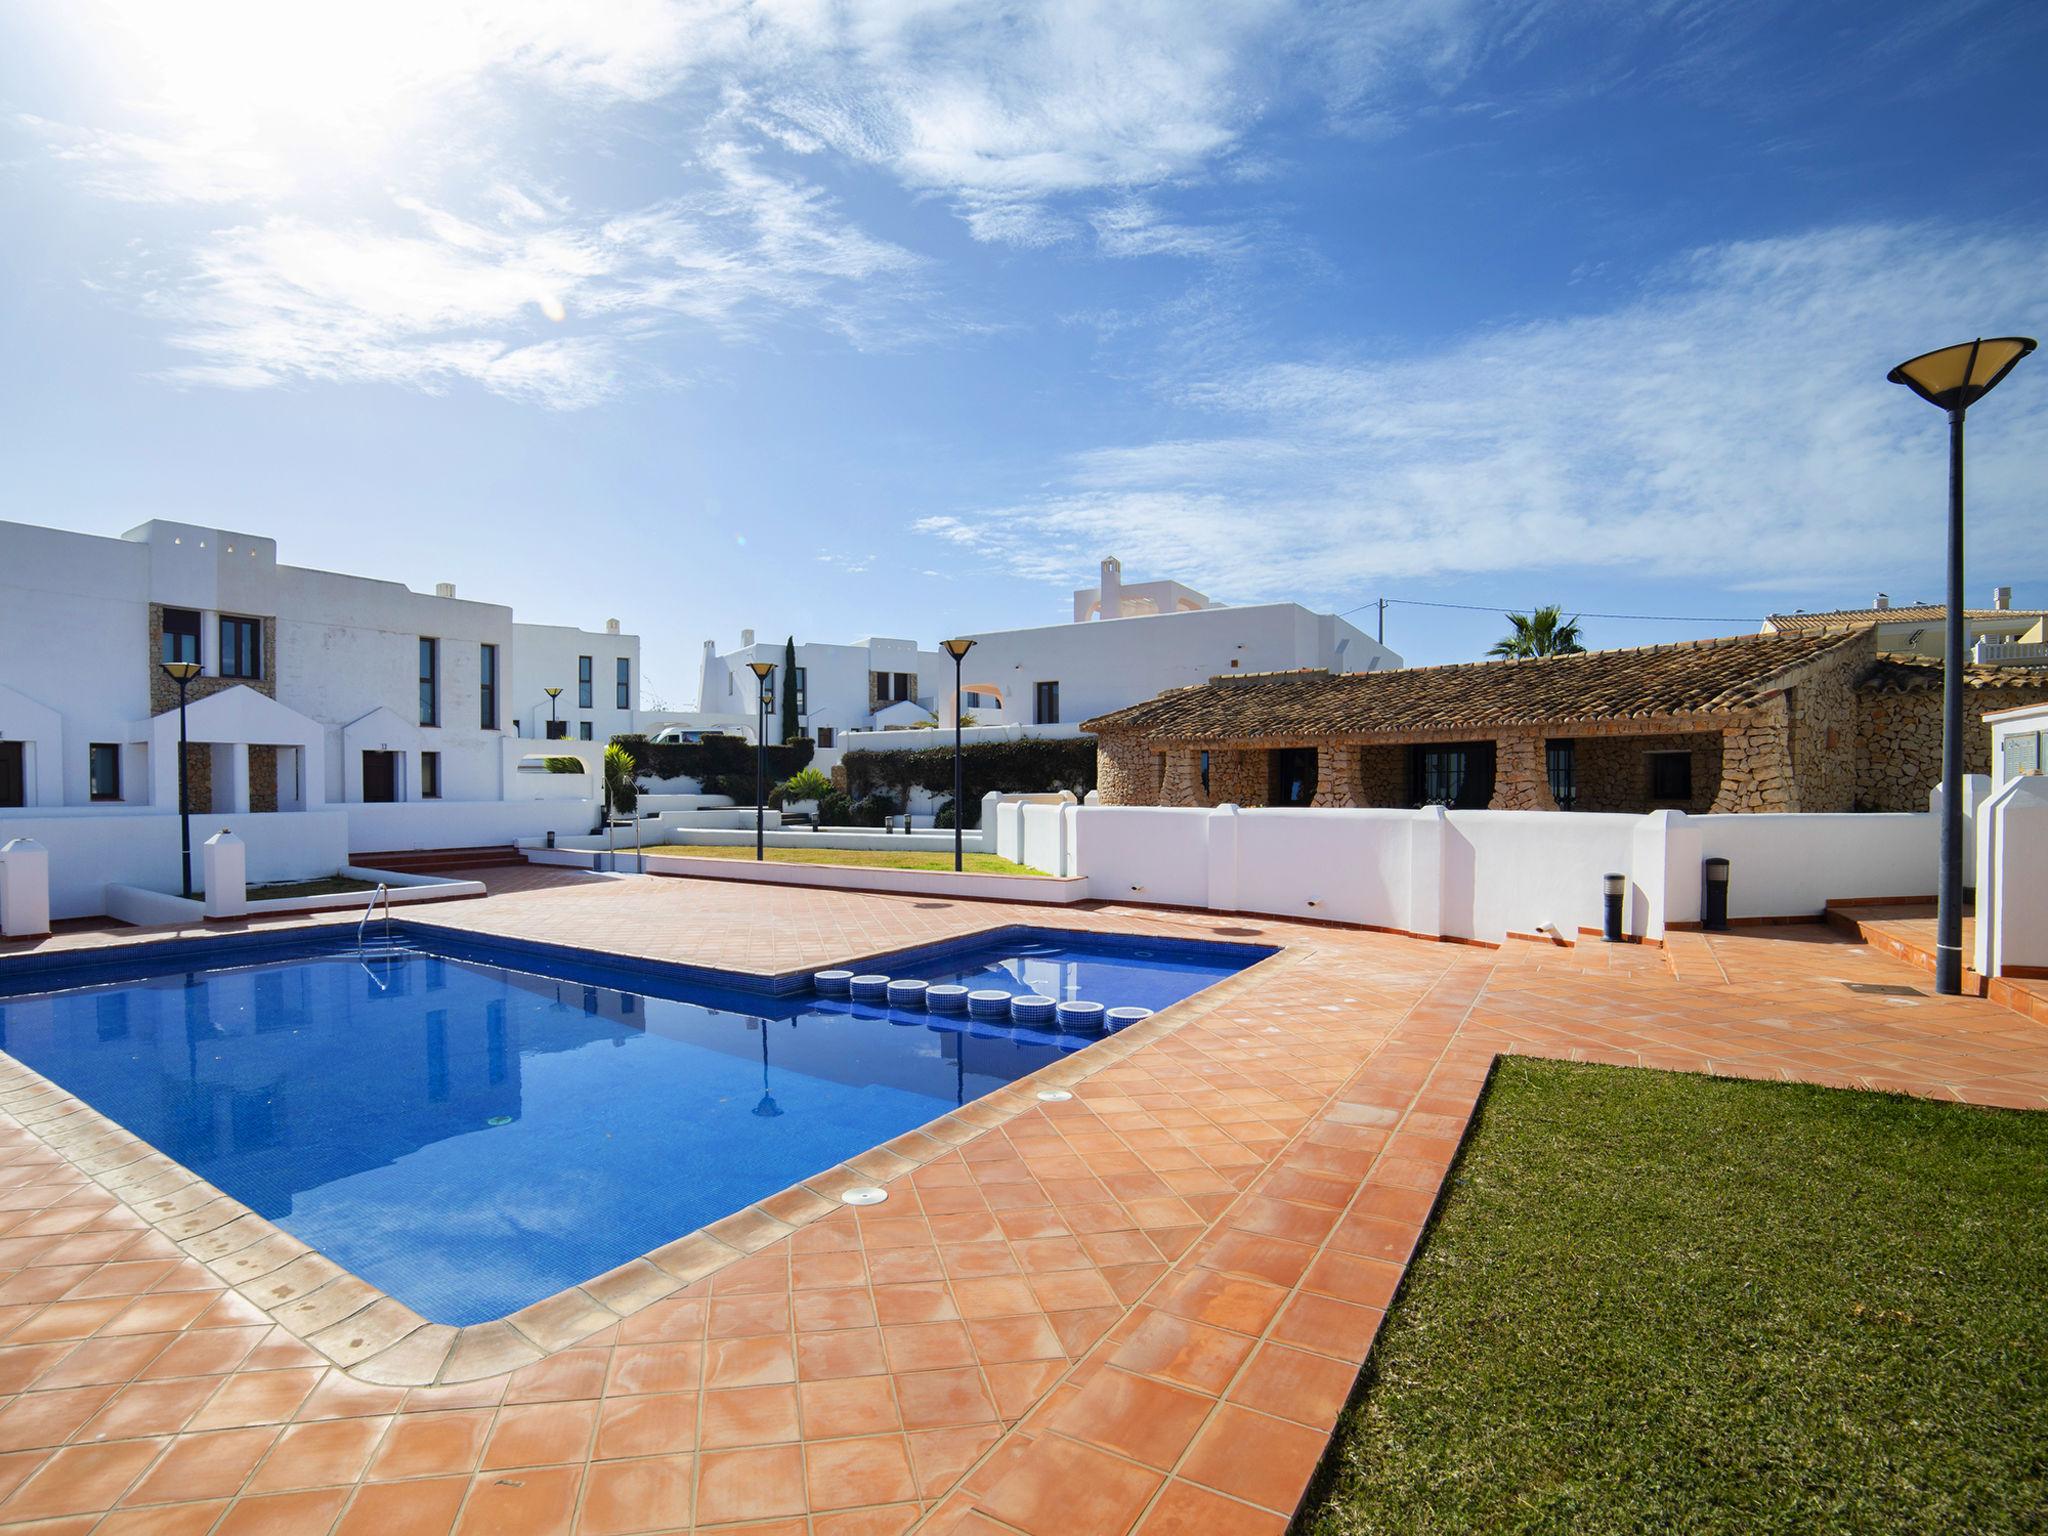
(1756, 764)
(1823, 731)
(1181, 780)
(1614, 771)
(1239, 777)
(1383, 777)
(198, 779)
(1126, 771)
(1337, 778)
(1898, 741)
(163, 692)
(262, 779)
(1521, 774)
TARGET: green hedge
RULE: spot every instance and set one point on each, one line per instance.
(1026, 767)
(725, 759)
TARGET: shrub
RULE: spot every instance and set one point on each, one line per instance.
(1009, 767)
(565, 765)
(807, 785)
(713, 758)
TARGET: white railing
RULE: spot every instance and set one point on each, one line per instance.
(2009, 653)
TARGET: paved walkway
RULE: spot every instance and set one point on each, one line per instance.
(1140, 1310)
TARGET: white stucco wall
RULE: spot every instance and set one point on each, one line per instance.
(1476, 874)
(547, 655)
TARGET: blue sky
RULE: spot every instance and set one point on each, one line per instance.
(895, 318)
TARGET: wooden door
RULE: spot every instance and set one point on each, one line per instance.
(380, 777)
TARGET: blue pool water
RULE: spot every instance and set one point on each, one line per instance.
(477, 1127)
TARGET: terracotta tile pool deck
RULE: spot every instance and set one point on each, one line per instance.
(1140, 1309)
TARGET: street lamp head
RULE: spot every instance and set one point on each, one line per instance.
(762, 669)
(181, 671)
(553, 693)
(1956, 378)
(957, 648)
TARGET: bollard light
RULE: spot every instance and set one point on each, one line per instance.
(1615, 888)
(1714, 895)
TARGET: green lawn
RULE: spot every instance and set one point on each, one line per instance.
(975, 863)
(335, 885)
(1661, 1302)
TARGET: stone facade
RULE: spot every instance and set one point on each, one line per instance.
(163, 692)
(1337, 782)
(1614, 771)
(1383, 776)
(1521, 774)
(1756, 764)
(1238, 777)
(262, 779)
(1126, 771)
(1898, 741)
(1181, 781)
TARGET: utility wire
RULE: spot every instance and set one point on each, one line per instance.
(1661, 618)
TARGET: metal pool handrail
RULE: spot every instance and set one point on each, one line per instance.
(370, 912)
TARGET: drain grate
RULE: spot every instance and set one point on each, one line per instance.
(1883, 989)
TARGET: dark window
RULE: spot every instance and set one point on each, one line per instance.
(1563, 761)
(181, 635)
(430, 681)
(12, 777)
(430, 775)
(583, 683)
(487, 688)
(1670, 775)
(625, 699)
(824, 735)
(1046, 703)
(380, 777)
(1205, 773)
(241, 647)
(1291, 776)
(797, 682)
(558, 730)
(583, 730)
(1458, 775)
(105, 763)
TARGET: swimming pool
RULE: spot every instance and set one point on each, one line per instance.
(472, 1126)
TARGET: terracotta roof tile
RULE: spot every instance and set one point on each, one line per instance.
(1910, 674)
(1909, 613)
(1708, 677)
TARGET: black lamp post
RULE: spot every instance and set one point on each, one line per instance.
(1955, 378)
(764, 672)
(957, 649)
(767, 1109)
(553, 694)
(182, 673)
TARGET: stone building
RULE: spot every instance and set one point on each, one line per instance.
(1799, 722)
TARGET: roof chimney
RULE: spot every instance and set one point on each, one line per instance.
(746, 638)
(2001, 599)
(444, 589)
(1884, 600)
(611, 626)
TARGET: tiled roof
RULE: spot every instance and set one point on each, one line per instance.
(1910, 674)
(1697, 677)
(1915, 613)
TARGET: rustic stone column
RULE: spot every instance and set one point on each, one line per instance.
(1521, 774)
(1337, 777)
(1756, 763)
(1126, 771)
(1182, 781)
(1238, 777)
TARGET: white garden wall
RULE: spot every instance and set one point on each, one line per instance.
(1470, 874)
(88, 853)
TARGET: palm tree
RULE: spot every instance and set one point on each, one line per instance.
(619, 771)
(1542, 633)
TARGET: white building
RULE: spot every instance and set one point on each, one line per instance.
(315, 688)
(1040, 681)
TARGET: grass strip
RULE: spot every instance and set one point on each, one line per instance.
(976, 863)
(1663, 1302)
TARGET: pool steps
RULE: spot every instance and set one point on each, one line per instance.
(1074, 1016)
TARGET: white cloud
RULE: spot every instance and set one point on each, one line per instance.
(1733, 419)
(442, 298)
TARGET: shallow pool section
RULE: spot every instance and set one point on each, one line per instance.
(473, 1128)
